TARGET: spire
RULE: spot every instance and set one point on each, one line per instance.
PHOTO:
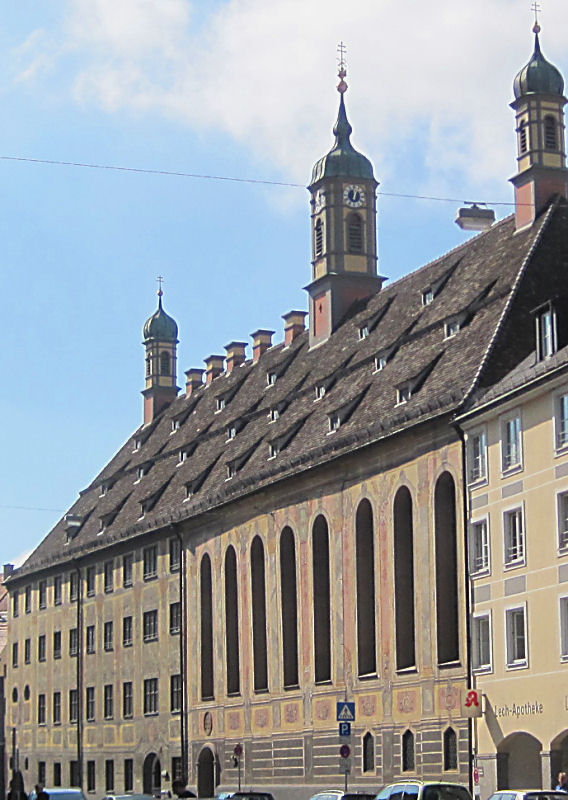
(160, 340)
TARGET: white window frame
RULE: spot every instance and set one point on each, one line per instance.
(563, 631)
(427, 296)
(485, 567)
(452, 328)
(545, 329)
(364, 331)
(403, 394)
(562, 521)
(510, 563)
(480, 461)
(487, 667)
(511, 661)
(560, 423)
(508, 466)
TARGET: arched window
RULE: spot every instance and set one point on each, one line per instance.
(354, 233)
(450, 749)
(523, 137)
(446, 569)
(408, 759)
(404, 579)
(232, 622)
(365, 564)
(206, 629)
(260, 657)
(550, 133)
(322, 602)
(318, 244)
(164, 363)
(289, 607)
(368, 752)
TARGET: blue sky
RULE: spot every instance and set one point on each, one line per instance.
(239, 88)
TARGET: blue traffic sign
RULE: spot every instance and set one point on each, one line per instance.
(346, 712)
(345, 729)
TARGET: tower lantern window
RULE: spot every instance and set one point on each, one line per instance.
(164, 363)
(550, 136)
(319, 239)
(523, 137)
(355, 233)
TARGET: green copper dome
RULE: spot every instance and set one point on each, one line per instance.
(160, 325)
(538, 76)
(342, 160)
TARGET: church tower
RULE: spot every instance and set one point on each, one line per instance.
(541, 151)
(344, 228)
(160, 340)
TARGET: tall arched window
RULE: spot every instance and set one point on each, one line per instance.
(206, 629)
(446, 569)
(164, 363)
(232, 623)
(404, 580)
(258, 586)
(408, 757)
(365, 563)
(368, 752)
(322, 602)
(354, 233)
(289, 607)
(450, 749)
(318, 244)
(523, 137)
(550, 133)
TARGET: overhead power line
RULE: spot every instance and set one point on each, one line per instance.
(34, 508)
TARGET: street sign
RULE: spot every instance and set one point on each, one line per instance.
(472, 703)
(346, 712)
(345, 766)
(344, 751)
(476, 776)
(345, 729)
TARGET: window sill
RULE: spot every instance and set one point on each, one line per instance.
(369, 676)
(407, 670)
(152, 577)
(450, 664)
(514, 565)
(482, 573)
(564, 658)
(477, 483)
(518, 665)
(483, 670)
(151, 713)
(510, 471)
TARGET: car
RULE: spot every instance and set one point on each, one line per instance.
(127, 797)
(528, 794)
(339, 794)
(424, 790)
(59, 793)
(256, 795)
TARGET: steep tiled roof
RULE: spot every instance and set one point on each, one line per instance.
(471, 284)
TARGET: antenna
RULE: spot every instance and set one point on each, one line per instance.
(342, 67)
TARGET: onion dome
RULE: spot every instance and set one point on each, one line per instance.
(538, 76)
(160, 325)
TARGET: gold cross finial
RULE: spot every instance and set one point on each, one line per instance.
(342, 65)
(536, 8)
(160, 280)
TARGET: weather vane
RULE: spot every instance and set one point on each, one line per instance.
(536, 7)
(160, 280)
(342, 71)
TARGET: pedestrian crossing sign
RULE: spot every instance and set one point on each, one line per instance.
(346, 712)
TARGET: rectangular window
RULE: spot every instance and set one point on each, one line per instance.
(151, 696)
(56, 708)
(108, 577)
(108, 636)
(150, 562)
(175, 554)
(57, 774)
(511, 453)
(109, 701)
(175, 693)
(15, 654)
(177, 768)
(91, 776)
(127, 631)
(545, 333)
(73, 708)
(15, 604)
(73, 642)
(28, 599)
(42, 594)
(481, 642)
(57, 590)
(127, 700)
(561, 421)
(90, 704)
(90, 639)
(56, 644)
(41, 709)
(91, 581)
(513, 525)
(477, 456)
(479, 547)
(41, 772)
(41, 647)
(73, 586)
(74, 779)
(109, 775)
(27, 651)
(175, 618)
(516, 637)
(150, 626)
(563, 521)
(564, 628)
(127, 561)
(128, 774)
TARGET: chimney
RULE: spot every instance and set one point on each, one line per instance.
(235, 354)
(294, 325)
(8, 570)
(261, 341)
(214, 366)
(194, 379)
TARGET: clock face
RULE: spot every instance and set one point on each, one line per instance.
(354, 196)
(319, 200)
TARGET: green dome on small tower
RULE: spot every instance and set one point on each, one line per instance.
(160, 326)
(539, 76)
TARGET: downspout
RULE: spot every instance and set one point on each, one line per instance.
(79, 677)
(183, 658)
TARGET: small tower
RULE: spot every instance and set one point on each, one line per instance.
(344, 227)
(541, 153)
(160, 340)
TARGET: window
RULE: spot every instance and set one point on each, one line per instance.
(41, 647)
(232, 624)
(450, 749)
(523, 136)
(73, 707)
(274, 414)
(273, 448)
(403, 394)
(108, 701)
(150, 562)
(164, 363)
(220, 403)
(451, 328)
(91, 773)
(320, 391)
(477, 456)
(127, 569)
(175, 693)
(56, 708)
(41, 772)
(318, 239)
(563, 521)
(516, 637)
(74, 773)
(380, 362)
(355, 233)
(56, 644)
(15, 654)
(109, 771)
(481, 642)
(427, 296)
(28, 599)
(90, 639)
(478, 547)
(564, 628)
(271, 378)
(151, 696)
(127, 631)
(150, 626)
(108, 577)
(175, 617)
(57, 590)
(368, 752)
(206, 632)
(231, 432)
(408, 751)
(364, 331)
(42, 594)
(334, 422)
(561, 420)
(511, 443)
(57, 774)
(90, 704)
(73, 586)
(128, 774)
(41, 708)
(73, 642)
(550, 136)
(127, 700)
(91, 581)
(513, 525)
(15, 604)
(545, 333)
(175, 554)
(27, 651)
(177, 768)
(108, 636)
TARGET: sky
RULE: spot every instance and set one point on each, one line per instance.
(239, 89)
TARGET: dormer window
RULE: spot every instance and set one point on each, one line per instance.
(188, 492)
(380, 362)
(403, 394)
(427, 296)
(334, 422)
(143, 470)
(231, 432)
(231, 471)
(102, 525)
(363, 331)
(271, 378)
(451, 328)
(546, 341)
(137, 443)
(176, 423)
(274, 414)
(221, 403)
(183, 456)
(143, 509)
(105, 486)
(273, 449)
(320, 391)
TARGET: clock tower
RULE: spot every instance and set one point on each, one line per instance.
(344, 229)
